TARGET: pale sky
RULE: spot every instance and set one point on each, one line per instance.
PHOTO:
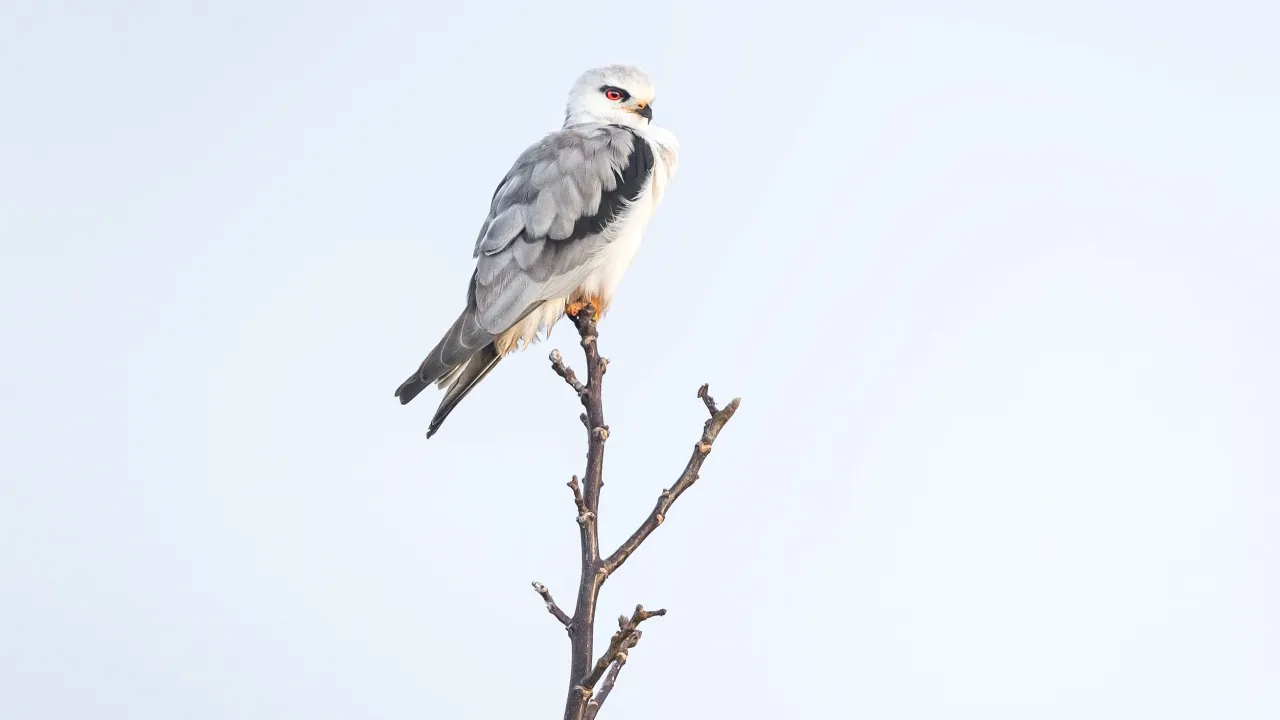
(997, 286)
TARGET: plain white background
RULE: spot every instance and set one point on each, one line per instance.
(997, 285)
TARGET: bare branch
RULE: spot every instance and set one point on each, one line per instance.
(552, 607)
(566, 372)
(711, 429)
(593, 706)
(583, 701)
(626, 638)
(710, 401)
(587, 498)
(583, 513)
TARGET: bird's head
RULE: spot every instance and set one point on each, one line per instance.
(617, 94)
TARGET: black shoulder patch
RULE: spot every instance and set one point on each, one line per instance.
(630, 182)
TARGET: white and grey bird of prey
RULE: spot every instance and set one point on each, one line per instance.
(563, 226)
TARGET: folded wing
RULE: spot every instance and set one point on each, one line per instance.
(548, 216)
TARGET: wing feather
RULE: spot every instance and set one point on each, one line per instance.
(550, 214)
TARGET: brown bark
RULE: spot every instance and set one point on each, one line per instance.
(585, 670)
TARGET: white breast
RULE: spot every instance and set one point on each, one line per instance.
(612, 261)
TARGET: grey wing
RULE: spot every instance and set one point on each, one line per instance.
(550, 214)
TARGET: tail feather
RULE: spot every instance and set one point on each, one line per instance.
(410, 388)
(463, 340)
(480, 365)
(462, 358)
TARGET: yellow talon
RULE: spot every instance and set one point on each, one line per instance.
(572, 309)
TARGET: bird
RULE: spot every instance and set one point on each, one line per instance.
(563, 226)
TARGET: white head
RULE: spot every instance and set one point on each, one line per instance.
(617, 94)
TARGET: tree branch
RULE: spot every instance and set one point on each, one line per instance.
(587, 497)
(552, 607)
(615, 657)
(566, 372)
(583, 514)
(583, 701)
(593, 706)
(710, 430)
(707, 399)
(626, 638)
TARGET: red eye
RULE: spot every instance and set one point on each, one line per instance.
(612, 94)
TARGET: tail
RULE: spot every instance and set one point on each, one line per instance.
(470, 375)
(461, 359)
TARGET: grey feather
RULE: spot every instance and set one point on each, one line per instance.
(462, 341)
(551, 213)
(470, 375)
(548, 216)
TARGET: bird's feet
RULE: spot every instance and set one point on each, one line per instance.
(574, 308)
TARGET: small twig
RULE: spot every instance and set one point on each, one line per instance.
(583, 513)
(566, 372)
(593, 706)
(552, 607)
(687, 478)
(710, 401)
(626, 638)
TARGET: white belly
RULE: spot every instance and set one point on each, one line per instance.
(611, 263)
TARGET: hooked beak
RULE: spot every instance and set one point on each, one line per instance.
(645, 111)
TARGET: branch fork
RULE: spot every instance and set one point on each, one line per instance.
(584, 699)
